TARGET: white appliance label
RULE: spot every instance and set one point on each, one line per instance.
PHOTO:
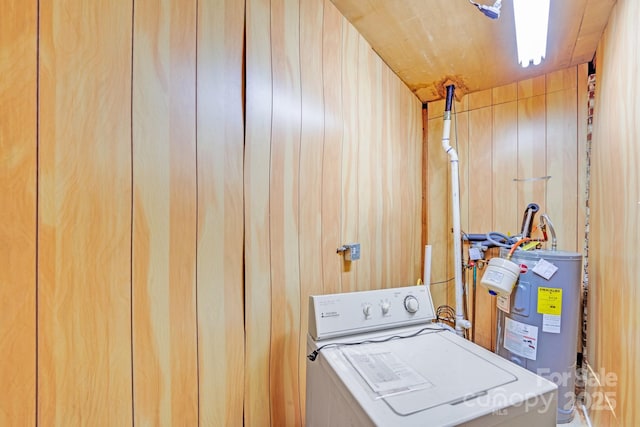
(551, 323)
(503, 303)
(544, 269)
(521, 339)
(383, 370)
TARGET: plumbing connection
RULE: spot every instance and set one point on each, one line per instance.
(461, 322)
(502, 274)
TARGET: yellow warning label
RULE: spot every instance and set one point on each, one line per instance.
(550, 301)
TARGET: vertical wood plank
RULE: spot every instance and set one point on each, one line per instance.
(615, 219)
(531, 87)
(506, 209)
(565, 78)
(480, 99)
(84, 241)
(350, 151)
(311, 168)
(531, 153)
(165, 383)
(368, 172)
(220, 273)
(257, 252)
(18, 193)
(415, 132)
(398, 200)
(502, 94)
(562, 166)
(332, 148)
(481, 214)
(405, 133)
(284, 213)
(389, 159)
(379, 173)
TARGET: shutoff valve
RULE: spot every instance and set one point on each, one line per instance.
(351, 252)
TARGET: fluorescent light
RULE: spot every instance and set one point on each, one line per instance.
(532, 21)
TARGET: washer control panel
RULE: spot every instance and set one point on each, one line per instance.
(337, 315)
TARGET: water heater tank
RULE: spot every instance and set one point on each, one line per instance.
(537, 325)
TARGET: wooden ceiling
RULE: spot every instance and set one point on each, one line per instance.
(430, 42)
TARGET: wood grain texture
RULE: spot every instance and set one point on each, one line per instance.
(257, 252)
(532, 87)
(413, 129)
(416, 41)
(317, 153)
(531, 153)
(84, 231)
(406, 139)
(369, 172)
(18, 216)
(350, 148)
(566, 78)
(562, 166)
(393, 200)
(481, 204)
(284, 211)
(506, 93)
(614, 300)
(164, 214)
(480, 99)
(331, 204)
(507, 213)
(312, 257)
(220, 287)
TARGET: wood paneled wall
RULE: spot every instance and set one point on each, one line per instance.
(18, 210)
(148, 238)
(506, 138)
(122, 202)
(84, 213)
(614, 300)
(333, 156)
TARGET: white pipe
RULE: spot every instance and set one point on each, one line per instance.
(426, 275)
(461, 322)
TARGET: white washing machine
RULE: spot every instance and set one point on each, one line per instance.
(377, 358)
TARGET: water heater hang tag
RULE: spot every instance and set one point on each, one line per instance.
(503, 302)
(544, 269)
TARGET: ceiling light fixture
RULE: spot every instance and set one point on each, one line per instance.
(492, 12)
(532, 22)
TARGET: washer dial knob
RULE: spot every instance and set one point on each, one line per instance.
(411, 304)
(366, 309)
(385, 306)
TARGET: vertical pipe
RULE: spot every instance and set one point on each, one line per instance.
(461, 322)
(427, 266)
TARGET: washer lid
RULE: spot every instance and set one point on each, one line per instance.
(416, 374)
